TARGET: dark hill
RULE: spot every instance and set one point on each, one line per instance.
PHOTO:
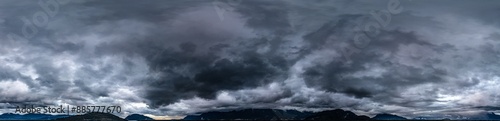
(388, 117)
(11, 116)
(92, 117)
(485, 116)
(251, 114)
(138, 117)
(337, 115)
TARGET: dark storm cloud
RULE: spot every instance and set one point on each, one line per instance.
(187, 70)
(208, 77)
(179, 57)
(156, 12)
(191, 63)
(488, 108)
(54, 77)
(489, 52)
(19, 95)
(337, 76)
(271, 16)
(494, 37)
(6, 73)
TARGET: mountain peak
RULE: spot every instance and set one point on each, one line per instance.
(93, 117)
(337, 114)
(138, 117)
(30, 116)
(251, 114)
(386, 116)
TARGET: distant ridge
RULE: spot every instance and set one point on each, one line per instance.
(337, 115)
(11, 116)
(138, 117)
(251, 114)
(388, 117)
(272, 114)
(92, 117)
(485, 116)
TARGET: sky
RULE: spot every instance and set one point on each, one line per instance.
(168, 59)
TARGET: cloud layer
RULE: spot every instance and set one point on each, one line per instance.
(172, 58)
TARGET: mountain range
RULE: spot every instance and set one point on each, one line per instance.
(11, 116)
(246, 114)
(83, 117)
(138, 117)
(386, 116)
(92, 117)
(272, 114)
(337, 114)
(251, 114)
